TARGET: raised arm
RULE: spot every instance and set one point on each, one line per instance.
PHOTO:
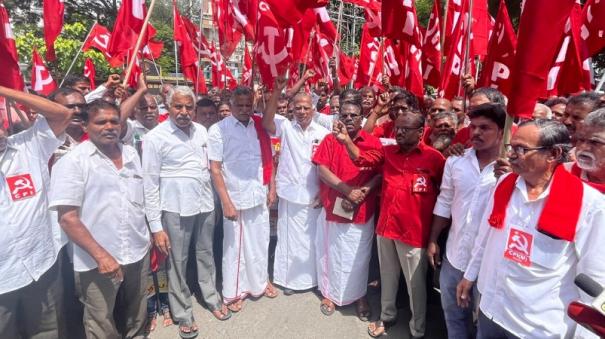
(57, 115)
(300, 83)
(128, 105)
(269, 113)
(376, 112)
(339, 130)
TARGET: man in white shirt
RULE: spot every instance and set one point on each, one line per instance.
(541, 228)
(146, 118)
(241, 169)
(97, 190)
(30, 288)
(179, 200)
(297, 183)
(465, 188)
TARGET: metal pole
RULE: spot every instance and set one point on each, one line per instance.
(157, 69)
(77, 55)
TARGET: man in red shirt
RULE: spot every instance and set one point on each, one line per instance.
(345, 227)
(411, 174)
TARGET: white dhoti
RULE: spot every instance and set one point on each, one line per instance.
(343, 259)
(295, 265)
(245, 254)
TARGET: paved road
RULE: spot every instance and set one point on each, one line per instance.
(298, 316)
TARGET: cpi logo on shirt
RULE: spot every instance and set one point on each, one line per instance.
(420, 183)
(518, 247)
(21, 186)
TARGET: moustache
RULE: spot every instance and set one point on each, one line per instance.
(586, 160)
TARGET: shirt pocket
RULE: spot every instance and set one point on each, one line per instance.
(549, 252)
(135, 190)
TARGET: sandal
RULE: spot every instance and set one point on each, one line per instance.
(167, 319)
(270, 291)
(379, 328)
(363, 310)
(223, 313)
(327, 307)
(236, 306)
(188, 332)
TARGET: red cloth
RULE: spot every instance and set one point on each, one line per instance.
(10, 73)
(266, 147)
(577, 171)
(334, 156)
(406, 214)
(385, 130)
(53, 11)
(463, 136)
(561, 211)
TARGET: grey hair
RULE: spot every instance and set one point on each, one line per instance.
(300, 95)
(181, 90)
(553, 134)
(545, 108)
(595, 118)
(446, 115)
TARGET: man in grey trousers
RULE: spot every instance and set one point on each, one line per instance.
(179, 200)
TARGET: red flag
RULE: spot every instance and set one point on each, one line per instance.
(571, 70)
(221, 75)
(325, 25)
(228, 34)
(53, 24)
(399, 21)
(499, 61)
(373, 18)
(300, 35)
(246, 79)
(454, 12)
(541, 29)
(41, 80)
(452, 71)
(593, 26)
(480, 28)
(431, 49)
(153, 49)
(201, 45)
(10, 74)
(98, 38)
(346, 68)
(270, 49)
(90, 72)
(244, 12)
(363, 3)
(289, 12)
(369, 69)
(187, 53)
(413, 70)
(395, 62)
(126, 30)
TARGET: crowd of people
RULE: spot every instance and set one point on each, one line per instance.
(100, 187)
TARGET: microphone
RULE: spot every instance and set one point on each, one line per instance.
(593, 289)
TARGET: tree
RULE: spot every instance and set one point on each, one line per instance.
(66, 47)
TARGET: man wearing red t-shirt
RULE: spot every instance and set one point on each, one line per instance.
(411, 177)
(346, 225)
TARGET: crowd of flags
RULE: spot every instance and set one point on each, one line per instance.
(550, 54)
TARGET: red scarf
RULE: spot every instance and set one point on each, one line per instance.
(562, 208)
(265, 149)
(577, 171)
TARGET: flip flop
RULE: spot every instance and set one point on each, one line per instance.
(188, 332)
(224, 316)
(271, 292)
(236, 306)
(363, 312)
(380, 328)
(327, 309)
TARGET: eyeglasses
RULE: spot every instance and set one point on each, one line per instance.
(407, 129)
(521, 150)
(72, 106)
(179, 107)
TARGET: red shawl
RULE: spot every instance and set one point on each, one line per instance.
(561, 211)
(266, 153)
(577, 171)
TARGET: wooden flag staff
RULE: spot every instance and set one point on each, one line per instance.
(137, 46)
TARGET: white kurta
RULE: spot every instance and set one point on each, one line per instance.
(245, 257)
(343, 259)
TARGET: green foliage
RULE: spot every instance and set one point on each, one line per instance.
(29, 37)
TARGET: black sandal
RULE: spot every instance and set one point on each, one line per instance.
(192, 333)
